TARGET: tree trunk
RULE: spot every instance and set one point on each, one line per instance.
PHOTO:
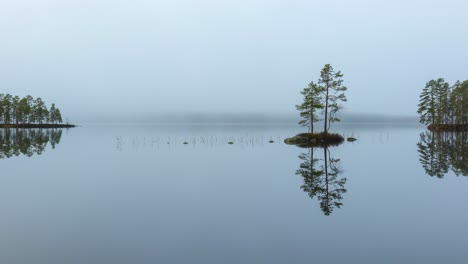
(326, 110)
(432, 107)
(311, 121)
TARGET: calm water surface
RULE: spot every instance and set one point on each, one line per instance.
(123, 194)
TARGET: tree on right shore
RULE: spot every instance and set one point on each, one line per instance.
(442, 104)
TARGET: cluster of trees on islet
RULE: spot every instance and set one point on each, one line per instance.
(321, 100)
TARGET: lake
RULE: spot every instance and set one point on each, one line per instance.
(138, 194)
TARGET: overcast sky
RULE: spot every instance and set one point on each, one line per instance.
(150, 56)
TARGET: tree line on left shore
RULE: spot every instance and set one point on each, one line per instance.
(27, 110)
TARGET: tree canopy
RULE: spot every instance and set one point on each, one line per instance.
(440, 103)
(325, 95)
(312, 102)
(16, 110)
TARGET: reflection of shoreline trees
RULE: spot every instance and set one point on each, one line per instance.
(15, 142)
(441, 152)
(321, 179)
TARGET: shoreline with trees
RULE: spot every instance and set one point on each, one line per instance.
(25, 126)
(29, 112)
(443, 107)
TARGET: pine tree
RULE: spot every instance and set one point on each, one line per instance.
(333, 91)
(426, 106)
(58, 116)
(459, 102)
(24, 109)
(442, 100)
(52, 114)
(2, 111)
(310, 105)
(40, 111)
(439, 103)
(7, 107)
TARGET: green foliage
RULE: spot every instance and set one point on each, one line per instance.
(459, 102)
(55, 115)
(333, 93)
(441, 104)
(325, 95)
(27, 110)
(312, 95)
(426, 109)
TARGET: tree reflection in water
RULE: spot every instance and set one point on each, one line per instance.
(440, 152)
(15, 142)
(321, 179)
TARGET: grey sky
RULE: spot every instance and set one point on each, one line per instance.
(111, 56)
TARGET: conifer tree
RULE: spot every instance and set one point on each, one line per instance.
(58, 116)
(14, 109)
(333, 92)
(52, 114)
(310, 105)
(459, 101)
(439, 103)
(1, 107)
(426, 106)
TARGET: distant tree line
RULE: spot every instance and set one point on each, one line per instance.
(440, 103)
(16, 110)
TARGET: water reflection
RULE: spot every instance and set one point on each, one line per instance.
(321, 178)
(15, 142)
(442, 152)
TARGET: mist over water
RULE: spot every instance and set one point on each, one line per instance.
(136, 193)
(227, 56)
(237, 118)
(182, 108)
